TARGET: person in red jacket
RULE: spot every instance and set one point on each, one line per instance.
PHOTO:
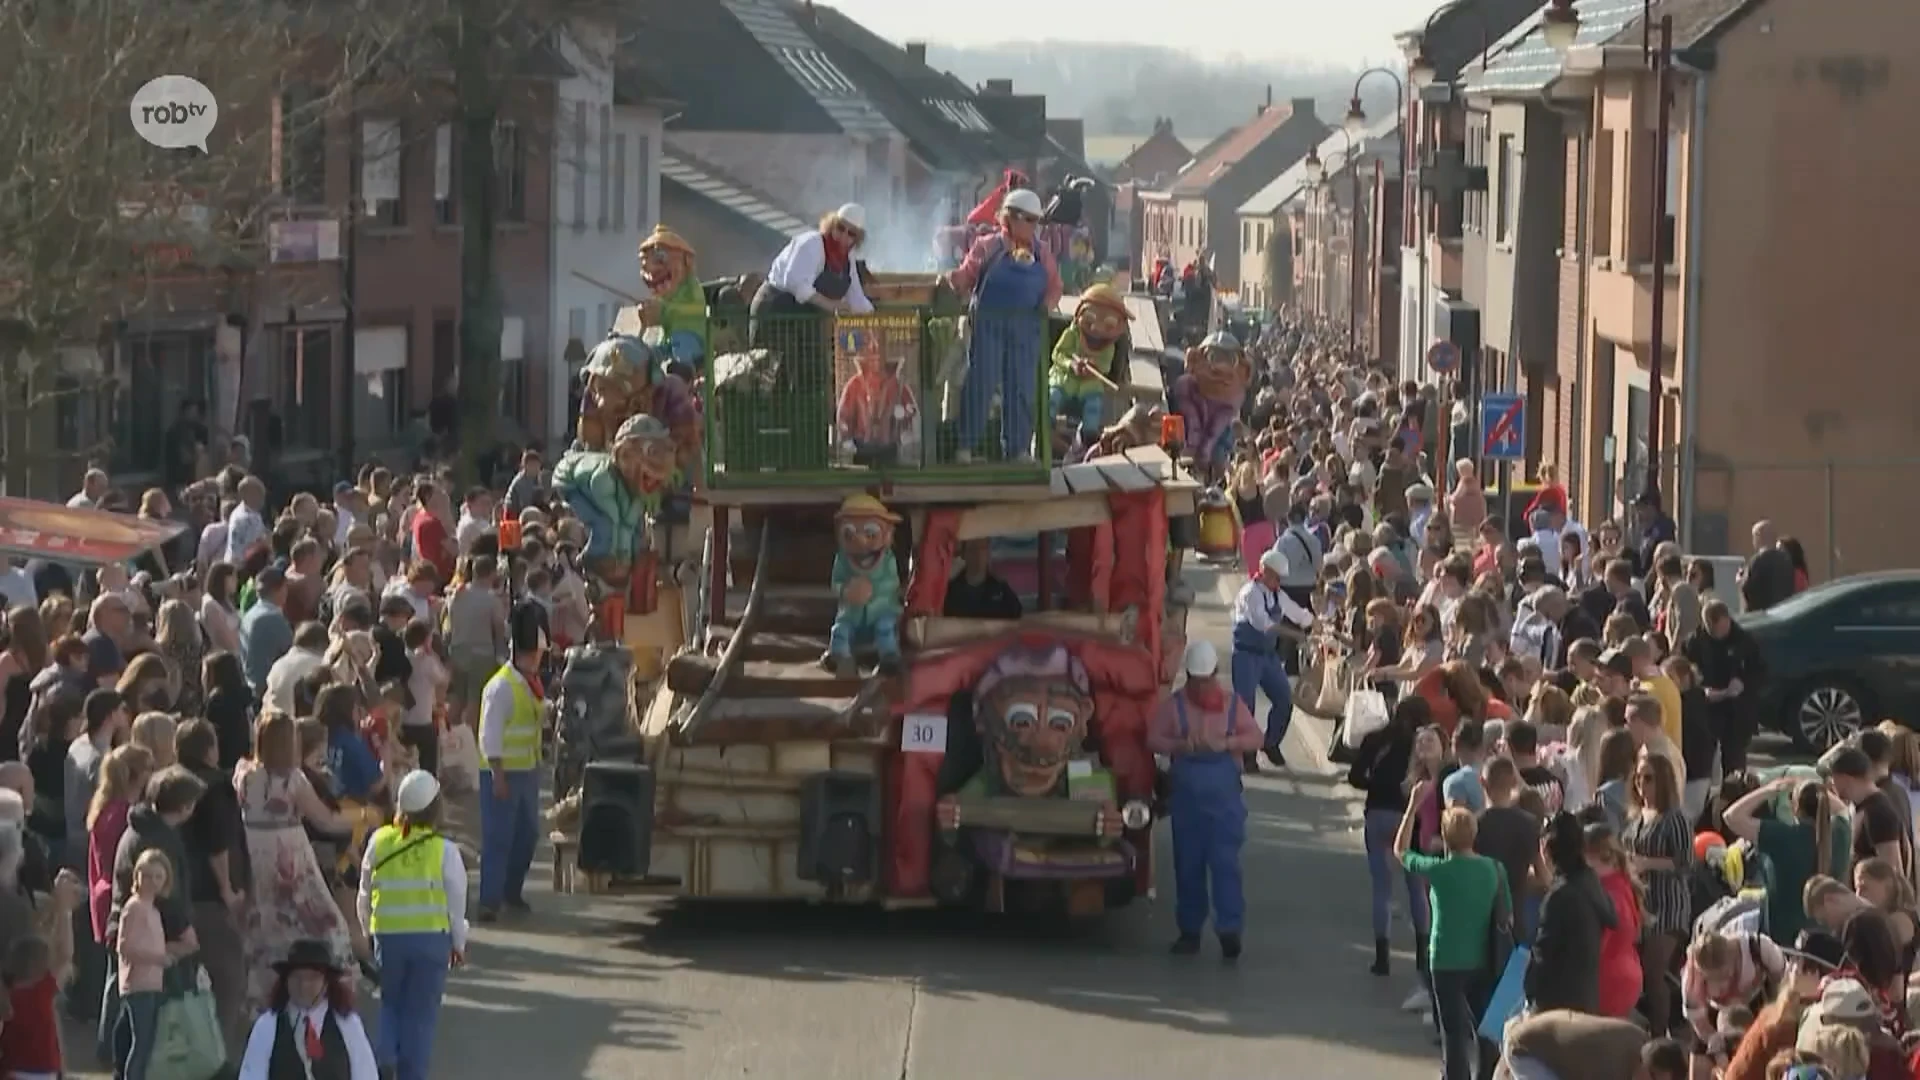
(988, 212)
(1620, 977)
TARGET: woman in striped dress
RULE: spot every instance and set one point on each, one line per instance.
(1659, 843)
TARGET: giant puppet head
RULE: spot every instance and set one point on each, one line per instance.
(1220, 367)
(865, 529)
(618, 375)
(1101, 316)
(643, 454)
(666, 260)
(1032, 707)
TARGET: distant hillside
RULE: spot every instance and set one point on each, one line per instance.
(1119, 89)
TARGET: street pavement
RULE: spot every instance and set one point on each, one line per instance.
(611, 989)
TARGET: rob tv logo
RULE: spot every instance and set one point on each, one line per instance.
(174, 111)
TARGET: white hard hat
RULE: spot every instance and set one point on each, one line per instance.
(854, 215)
(1202, 659)
(417, 791)
(1275, 561)
(1022, 200)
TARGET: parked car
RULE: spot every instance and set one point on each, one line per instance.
(1841, 657)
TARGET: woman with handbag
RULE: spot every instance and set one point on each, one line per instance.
(1466, 892)
(1563, 971)
(1379, 768)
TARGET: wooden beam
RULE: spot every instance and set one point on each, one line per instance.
(1124, 475)
(1083, 478)
(941, 631)
(1019, 519)
(904, 493)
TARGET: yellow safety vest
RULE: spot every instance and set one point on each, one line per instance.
(408, 888)
(520, 747)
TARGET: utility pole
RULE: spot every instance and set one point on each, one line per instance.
(1662, 59)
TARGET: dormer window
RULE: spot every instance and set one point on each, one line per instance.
(820, 75)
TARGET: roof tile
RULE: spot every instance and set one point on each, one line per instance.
(1222, 154)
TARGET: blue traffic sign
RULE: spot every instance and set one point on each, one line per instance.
(1503, 427)
(1443, 357)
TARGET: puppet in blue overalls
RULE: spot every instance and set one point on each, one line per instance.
(1010, 279)
(866, 582)
(1207, 806)
(1258, 611)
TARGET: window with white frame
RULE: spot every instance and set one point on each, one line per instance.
(510, 163)
(513, 369)
(620, 182)
(381, 180)
(1507, 180)
(443, 189)
(578, 165)
(379, 384)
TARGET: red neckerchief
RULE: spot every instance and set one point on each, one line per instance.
(838, 253)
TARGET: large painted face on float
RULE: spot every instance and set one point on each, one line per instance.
(1100, 325)
(1223, 374)
(1032, 707)
(643, 453)
(864, 538)
(663, 267)
(617, 371)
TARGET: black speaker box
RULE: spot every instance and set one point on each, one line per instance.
(616, 818)
(839, 828)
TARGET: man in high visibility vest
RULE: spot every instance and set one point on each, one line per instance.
(413, 901)
(510, 709)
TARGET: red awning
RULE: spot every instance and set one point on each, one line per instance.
(30, 529)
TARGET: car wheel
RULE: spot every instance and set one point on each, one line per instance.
(1827, 712)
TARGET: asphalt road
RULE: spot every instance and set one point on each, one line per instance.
(610, 990)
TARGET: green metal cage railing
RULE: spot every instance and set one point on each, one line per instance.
(819, 400)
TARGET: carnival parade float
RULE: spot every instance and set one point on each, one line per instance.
(782, 702)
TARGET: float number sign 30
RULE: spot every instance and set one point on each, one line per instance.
(924, 733)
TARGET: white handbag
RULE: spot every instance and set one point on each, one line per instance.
(1366, 713)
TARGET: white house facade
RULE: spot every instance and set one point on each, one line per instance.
(606, 198)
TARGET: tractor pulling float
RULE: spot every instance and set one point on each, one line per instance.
(778, 705)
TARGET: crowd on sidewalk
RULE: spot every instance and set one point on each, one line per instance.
(224, 769)
(1548, 722)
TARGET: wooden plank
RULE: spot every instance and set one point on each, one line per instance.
(1153, 461)
(1057, 483)
(1146, 323)
(903, 493)
(769, 720)
(1083, 478)
(775, 646)
(692, 673)
(1020, 519)
(942, 631)
(1126, 476)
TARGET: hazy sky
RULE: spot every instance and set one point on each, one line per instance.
(1335, 32)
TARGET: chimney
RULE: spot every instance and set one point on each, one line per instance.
(1269, 95)
(917, 52)
(1303, 107)
(998, 86)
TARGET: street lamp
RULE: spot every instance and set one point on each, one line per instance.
(1315, 168)
(1357, 115)
(1560, 25)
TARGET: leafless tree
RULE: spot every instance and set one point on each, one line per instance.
(482, 61)
(98, 226)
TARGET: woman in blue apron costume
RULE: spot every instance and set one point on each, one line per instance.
(1014, 282)
(812, 280)
(1204, 736)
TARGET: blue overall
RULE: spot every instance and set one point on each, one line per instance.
(1209, 828)
(1005, 356)
(1257, 666)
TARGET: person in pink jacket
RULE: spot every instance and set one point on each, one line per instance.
(144, 958)
(1620, 976)
(123, 776)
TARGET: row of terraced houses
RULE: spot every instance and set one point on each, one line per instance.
(1522, 230)
(735, 122)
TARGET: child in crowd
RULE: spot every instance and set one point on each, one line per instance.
(30, 1038)
(144, 958)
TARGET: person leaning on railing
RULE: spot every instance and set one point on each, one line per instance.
(811, 280)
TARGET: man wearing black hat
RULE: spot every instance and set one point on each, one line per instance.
(312, 1031)
(510, 715)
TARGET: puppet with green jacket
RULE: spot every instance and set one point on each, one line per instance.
(678, 303)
